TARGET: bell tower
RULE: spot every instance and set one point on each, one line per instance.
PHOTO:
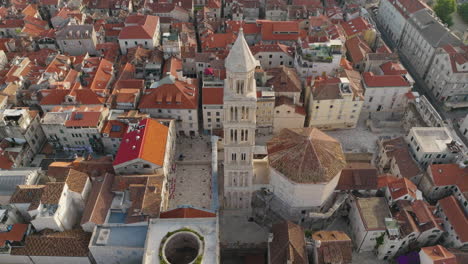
(240, 104)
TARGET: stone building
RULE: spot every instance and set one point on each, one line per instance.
(240, 104)
(77, 40)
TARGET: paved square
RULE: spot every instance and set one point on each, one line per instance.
(191, 185)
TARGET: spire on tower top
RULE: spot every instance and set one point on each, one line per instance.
(240, 58)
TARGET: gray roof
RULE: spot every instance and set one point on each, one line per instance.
(9, 179)
(433, 31)
(75, 32)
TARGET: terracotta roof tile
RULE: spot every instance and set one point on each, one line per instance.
(335, 247)
(288, 245)
(27, 194)
(76, 180)
(355, 26)
(439, 254)
(186, 213)
(393, 68)
(52, 192)
(456, 216)
(402, 187)
(71, 243)
(449, 174)
(115, 128)
(59, 170)
(83, 119)
(145, 28)
(357, 49)
(99, 201)
(147, 143)
(306, 155)
(371, 80)
(166, 96)
(213, 96)
(358, 178)
(284, 80)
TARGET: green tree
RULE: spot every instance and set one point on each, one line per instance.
(463, 11)
(443, 9)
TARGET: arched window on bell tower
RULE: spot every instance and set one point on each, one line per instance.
(240, 87)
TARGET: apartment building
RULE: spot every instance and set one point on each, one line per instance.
(385, 93)
(75, 128)
(141, 30)
(334, 103)
(447, 76)
(432, 145)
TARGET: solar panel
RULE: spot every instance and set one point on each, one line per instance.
(116, 128)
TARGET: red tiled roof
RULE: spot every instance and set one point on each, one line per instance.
(277, 47)
(440, 255)
(213, 96)
(357, 49)
(179, 95)
(371, 80)
(385, 180)
(82, 96)
(273, 30)
(402, 187)
(218, 40)
(114, 128)
(393, 68)
(355, 26)
(172, 65)
(99, 201)
(248, 28)
(186, 213)
(83, 119)
(16, 234)
(144, 30)
(147, 143)
(449, 174)
(456, 216)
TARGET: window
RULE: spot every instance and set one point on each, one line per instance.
(209, 119)
(217, 113)
(126, 43)
(438, 156)
(317, 107)
(331, 106)
(271, 56)
(233, 156)
(243, 156)
(392, 247)
(61, 131)
(146, 166)
(371, 98)
(208, 113)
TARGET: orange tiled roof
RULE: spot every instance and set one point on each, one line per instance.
(16, 234)
(114, 128)
(371, 80)
(144, 29)
(83, 119)
(357, 49)
(456, 216)
(355, 26)
(449, 174)
(402, 187)
(179, 95)
(213, 96)
(147, 143)
(440, 255)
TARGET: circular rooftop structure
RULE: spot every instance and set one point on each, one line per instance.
(182, 247)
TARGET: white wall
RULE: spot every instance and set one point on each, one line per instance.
(301, 195)
(386, 99)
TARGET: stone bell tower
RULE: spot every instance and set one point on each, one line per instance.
(240, 104)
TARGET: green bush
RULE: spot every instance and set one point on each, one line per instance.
(463, 11)
(443, 9)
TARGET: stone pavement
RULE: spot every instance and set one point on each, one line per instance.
(190, 180)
